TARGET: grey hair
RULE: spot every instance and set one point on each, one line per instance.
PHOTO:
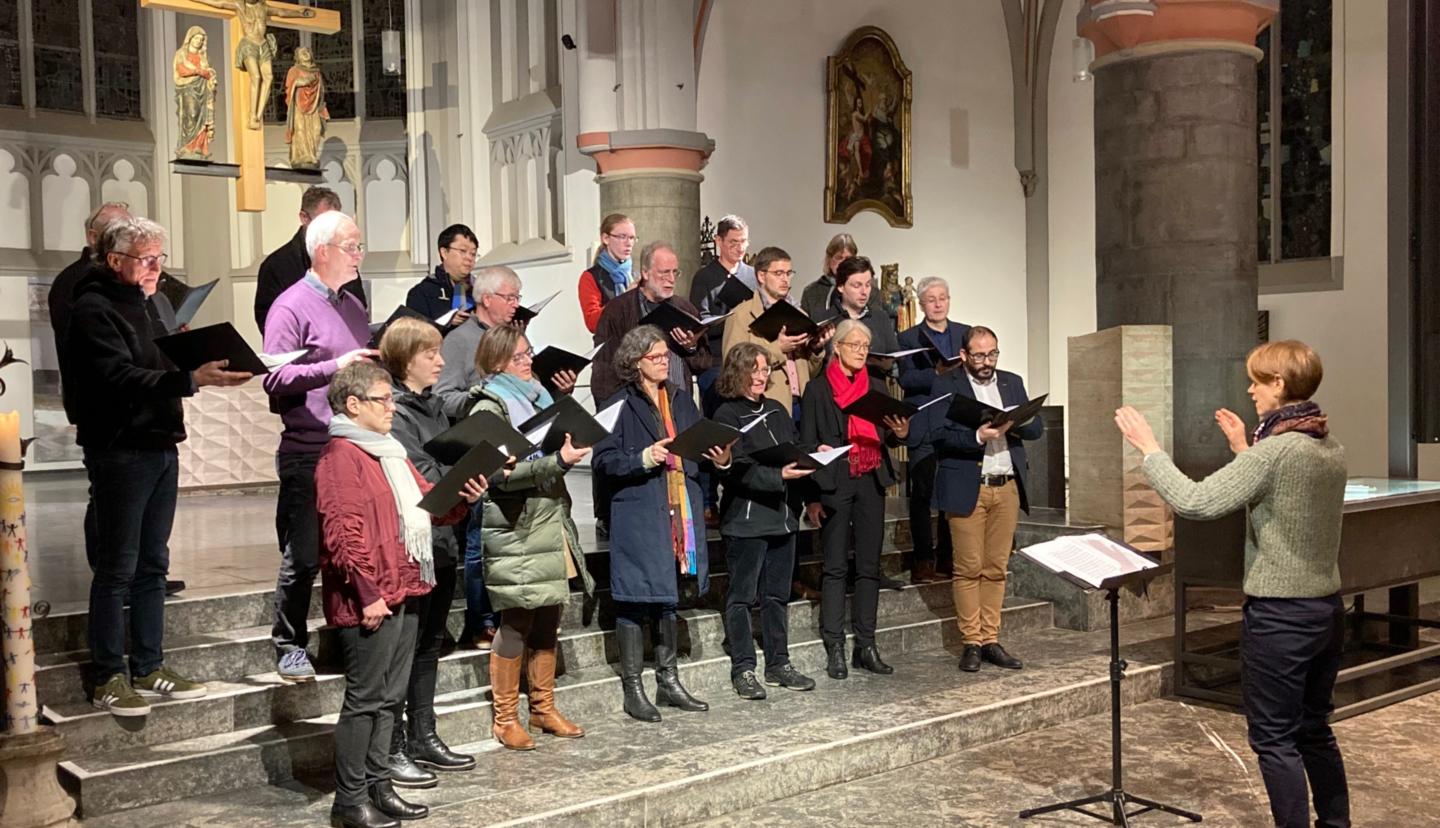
(931, 282)
(322, 229)
(94, 223)
(490, 280)
(849, 326)
(728, 223)
(636, 344)
(124, 235)
(647, 253)
(354, 380)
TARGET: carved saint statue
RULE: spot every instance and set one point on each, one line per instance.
(305, 102)
(194, 96)
(256, 52)
(908, 316)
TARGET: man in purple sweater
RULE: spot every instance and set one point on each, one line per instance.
(332, 326)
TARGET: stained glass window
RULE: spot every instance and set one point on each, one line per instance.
(58, 79)
(285, 42)
(117, 59)
(10, 94)
(384, 94)
(335, 56)
(1295, 129)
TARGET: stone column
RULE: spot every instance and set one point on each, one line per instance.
(1176, 173)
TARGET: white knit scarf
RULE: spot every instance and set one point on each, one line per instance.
(414, 521)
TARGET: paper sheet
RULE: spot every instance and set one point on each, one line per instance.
(273, 361)
(1091, 558)
(444, 318)
(932, 402)
(825, 458)
(757, 421)
(608, 417)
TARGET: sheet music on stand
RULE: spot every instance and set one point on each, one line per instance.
(1089, 560)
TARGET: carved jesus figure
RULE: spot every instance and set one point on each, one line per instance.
(256, 52)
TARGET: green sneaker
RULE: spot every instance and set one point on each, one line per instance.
(166, 682)
(118, 697)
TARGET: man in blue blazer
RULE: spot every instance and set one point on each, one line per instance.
(980, 486)
(918, 372)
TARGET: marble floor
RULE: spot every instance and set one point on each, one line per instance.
(1178, 753)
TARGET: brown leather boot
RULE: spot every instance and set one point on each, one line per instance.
(505, 687)
(543, 715)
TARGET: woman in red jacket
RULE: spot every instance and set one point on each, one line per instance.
(376, 561)
(610, 275)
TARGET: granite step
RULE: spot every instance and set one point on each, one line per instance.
(690, 767)
(132, 771)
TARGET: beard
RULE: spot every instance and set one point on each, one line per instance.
(984, 373)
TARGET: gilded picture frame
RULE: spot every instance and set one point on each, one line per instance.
(867, 155)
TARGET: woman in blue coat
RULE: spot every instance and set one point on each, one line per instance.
(657, 524)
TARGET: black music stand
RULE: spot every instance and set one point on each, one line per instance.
(1116, 796)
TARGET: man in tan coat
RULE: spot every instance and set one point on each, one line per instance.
(793, 358)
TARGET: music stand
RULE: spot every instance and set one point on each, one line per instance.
(1118, 798)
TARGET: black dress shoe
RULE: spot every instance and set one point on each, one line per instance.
(970, 659)
(363, 815)
(835, 662)
(747, 686)
(891, 584)
(389, 803)
(173, 587)
(869, 659)
(995, 654)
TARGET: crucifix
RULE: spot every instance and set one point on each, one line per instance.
(251, 51)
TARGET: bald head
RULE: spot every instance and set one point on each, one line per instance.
(108, 212)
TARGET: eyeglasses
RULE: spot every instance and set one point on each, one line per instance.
(735, 242)
(855, 347)
(387, 401)
(668, 274)
(788, 274)
(352, 249)
(622, 237)
(464, 252)
(149, 262)
(993, 356)
(522, 357)
(656, 359)
(760, 372)
(508, 298)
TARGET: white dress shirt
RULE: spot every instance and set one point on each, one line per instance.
(997, 452)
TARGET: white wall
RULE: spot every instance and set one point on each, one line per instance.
(762, 98)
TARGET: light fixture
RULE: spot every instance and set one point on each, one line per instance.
(1082, 52)
(391, 54)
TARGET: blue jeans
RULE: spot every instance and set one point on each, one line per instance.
(478, 614)
(133, 494)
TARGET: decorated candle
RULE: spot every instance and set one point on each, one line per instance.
(22, 709)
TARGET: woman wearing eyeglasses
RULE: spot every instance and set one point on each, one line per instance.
(657, 528)
(611, 274)
(852, 496)
(532, 548)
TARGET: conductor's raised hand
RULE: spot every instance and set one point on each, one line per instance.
(474, 489)
(1136, 430)
(659, 451)
(214, 373)
(899, 425)
(1234, 429)
(569, 455)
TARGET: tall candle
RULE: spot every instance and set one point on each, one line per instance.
(22, 709)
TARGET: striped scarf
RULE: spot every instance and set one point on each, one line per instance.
(682, 521)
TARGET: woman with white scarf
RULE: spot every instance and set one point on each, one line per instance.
(532, 548)
(376, 561)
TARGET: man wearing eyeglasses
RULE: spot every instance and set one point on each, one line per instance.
(289, 263)
(793, 357)
(448, 288)
(980, 487)
(496, 291)
(316, 315)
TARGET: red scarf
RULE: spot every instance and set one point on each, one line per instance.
(864, 438)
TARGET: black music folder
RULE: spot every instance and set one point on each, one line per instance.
(567, 416)
(785, 315)
(191, 349)
(693, 442)
(552, 360)
(732, 292)
(524, 314)
(970, 412)
(484, 460)
(779, 456)
(194, 298)
(877, 405)
(481, 427)
(667, 317)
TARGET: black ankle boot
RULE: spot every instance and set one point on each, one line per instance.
(835, 661)
(364, 815)
(403, 772)
(389, 803)
(631, 642)
(428, 750)
(868, 657)
(668, 689)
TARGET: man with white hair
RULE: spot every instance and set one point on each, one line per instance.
(316, 315)
(496, 291)
(125, 398)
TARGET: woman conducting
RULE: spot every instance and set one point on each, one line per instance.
(657, 530)
(1290, 480)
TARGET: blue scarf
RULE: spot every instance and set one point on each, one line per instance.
(619, 272)
(522, 398)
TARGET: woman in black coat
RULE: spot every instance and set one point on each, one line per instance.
(759, 517)
(657, 524)
(852, 496)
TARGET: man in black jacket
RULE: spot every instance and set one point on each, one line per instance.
(62, 290)
(448, 288)
(287, 264)
(125, 396)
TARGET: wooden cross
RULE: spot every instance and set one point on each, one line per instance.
(249, 144)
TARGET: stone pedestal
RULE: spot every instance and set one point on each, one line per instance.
(30, 792)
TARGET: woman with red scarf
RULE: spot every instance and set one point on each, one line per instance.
(852, 496)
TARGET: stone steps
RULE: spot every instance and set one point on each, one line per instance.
(691, 766)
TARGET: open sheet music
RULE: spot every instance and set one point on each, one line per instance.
(1089, 558)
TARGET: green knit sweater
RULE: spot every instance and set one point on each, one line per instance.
(1292, 487)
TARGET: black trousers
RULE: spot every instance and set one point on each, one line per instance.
(297, 528)
(928, 548)
(377, 669)
(431, 613)
(758, 565)
(1289, 656)
(858, 504)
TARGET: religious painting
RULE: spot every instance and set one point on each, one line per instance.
(867, 156)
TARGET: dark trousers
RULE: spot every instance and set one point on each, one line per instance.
(431, 612)
(478, 614)
(858, 504)
(928, 547)
(634, 614)
(1289, 656)
(133, 493)
(377, 669)
(709, 401)
(297, 528)
(760, 565)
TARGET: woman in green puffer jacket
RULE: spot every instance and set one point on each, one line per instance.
(532, 548)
